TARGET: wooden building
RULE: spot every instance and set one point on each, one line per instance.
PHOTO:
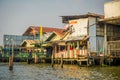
(80, 38)
(48, 34)
(83, 30)
(111, 26)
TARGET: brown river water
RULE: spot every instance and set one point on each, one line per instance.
(23, 71)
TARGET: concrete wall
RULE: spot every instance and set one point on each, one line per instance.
(112, 9)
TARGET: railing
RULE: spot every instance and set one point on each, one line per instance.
(71, 54)
(114, 48)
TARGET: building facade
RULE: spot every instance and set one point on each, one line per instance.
(111, 25)
(86, 25)
(17, 39)
(46, 31)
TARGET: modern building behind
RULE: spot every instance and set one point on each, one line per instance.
(32, 33)
(15, 40)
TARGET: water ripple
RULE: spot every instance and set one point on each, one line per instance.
(23, 71)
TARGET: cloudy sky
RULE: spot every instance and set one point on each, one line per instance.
(17, 15)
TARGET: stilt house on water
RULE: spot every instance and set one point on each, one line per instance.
(91, 35)
(81, 37)
(111, 24)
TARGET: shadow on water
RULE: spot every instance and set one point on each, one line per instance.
(23, 71)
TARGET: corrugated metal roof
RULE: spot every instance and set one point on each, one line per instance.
(65, 19)
(31, 42)
(85, 15)
(77, 38)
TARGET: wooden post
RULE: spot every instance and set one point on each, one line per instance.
(88, 48)
(80, 63)
(78, 44)
(109, 54)
(65, 53)
(73, 51)
(10, 63)
(52, 61)
(68, 49)
(36, 59)
(59, 52)
(52, 57)
(61, 60)
(11, 58)
(88, 52)
(105, 43)
(53, 53)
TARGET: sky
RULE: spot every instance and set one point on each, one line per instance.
(17, 15)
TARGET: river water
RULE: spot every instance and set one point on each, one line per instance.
(23, 71)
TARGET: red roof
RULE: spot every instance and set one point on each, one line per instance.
(45, 29)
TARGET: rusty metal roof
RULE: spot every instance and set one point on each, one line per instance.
(45, 30)
(65, 19)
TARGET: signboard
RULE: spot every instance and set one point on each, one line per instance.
(78, 27)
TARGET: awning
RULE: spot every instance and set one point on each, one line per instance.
(62, 43)
(46, 45)
(112, 20)
(78, 38)
(30, 42)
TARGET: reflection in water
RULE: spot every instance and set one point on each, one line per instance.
(23, 71)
